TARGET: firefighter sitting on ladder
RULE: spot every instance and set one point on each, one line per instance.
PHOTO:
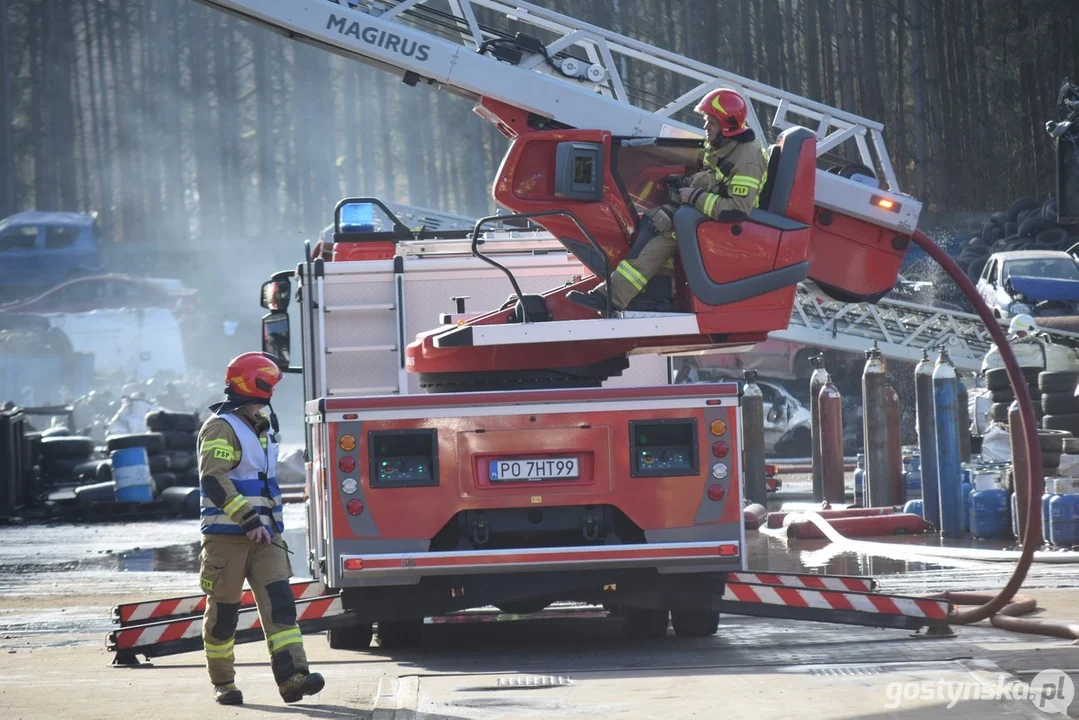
(735, 168)
(241, 533)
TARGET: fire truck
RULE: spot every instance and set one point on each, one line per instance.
(493, 459)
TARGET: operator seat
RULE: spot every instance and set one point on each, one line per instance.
(781, 202)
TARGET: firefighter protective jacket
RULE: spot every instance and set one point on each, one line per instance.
(729, 184)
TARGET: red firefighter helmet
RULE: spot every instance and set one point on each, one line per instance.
(728, 107)
(252, 375)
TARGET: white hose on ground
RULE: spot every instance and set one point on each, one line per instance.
(919, 552)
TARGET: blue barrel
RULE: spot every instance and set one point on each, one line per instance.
(914, 507)
(1064, 520)
(859, 482)
(949, 467)
(131, 473)
(990, 513)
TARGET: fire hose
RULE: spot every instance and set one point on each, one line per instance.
(1002, 608)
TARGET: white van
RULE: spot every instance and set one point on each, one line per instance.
(138, 342)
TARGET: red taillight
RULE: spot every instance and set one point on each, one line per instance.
(720, 449)
(354, 564)
(728, 550)
(716, 492)
(355, 507)
(347, 464)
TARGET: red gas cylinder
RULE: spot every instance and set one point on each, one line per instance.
(880, 525)
(754, 516)
(777, 519)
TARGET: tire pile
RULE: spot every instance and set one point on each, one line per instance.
(1028, 224)
(65, 457)
(1000, 391)
(170, 447)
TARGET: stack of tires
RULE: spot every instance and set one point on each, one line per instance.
(1059, 401)
(61, 455)
(1000, 391)
(1028, 224)
(177, 460)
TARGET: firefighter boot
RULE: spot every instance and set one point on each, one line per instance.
(593, 300)
(296, 687)
(228, 694)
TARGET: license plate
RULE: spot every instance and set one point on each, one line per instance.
(534, 469)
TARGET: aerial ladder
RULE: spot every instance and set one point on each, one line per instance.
(567, 94)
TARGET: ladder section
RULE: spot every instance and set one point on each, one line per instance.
(901, 329)
(363, 343)
(577, 74)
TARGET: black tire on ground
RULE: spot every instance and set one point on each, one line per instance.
(353, 637)
(1060, 403)
(974, 269)
(160, 463)
(153, 442)
(1000, 412)
(998, 219)
(1037, 406)
(400, 633)
(1002, 396)
(1011, 229)
(997, 378)
(163, 420)
(1050, 459)
(181, 460)
(1024, 215)
(189, 478)
(1058, 382)
(1023, 203)
(1049, 210)
(179, 440)
(1052, 236)
(1071, 445)
(694, 623)
(67, 447)
(163, 481)
(104, 472)
(1052, 440)
(645, 623)
(185, 500)
(60, 470)
(1032, 227)
(98, 492)
(60, 431)
(87, 471)
(1069, 422)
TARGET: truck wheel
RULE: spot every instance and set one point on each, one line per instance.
(694, 623)
(645, 623)
(353, 637)
(400, 633)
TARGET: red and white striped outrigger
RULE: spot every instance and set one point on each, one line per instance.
(174, 625)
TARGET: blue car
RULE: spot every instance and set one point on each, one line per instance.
(1039, 283)
(42, 249)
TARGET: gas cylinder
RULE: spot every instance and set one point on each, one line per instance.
(874, 426)
(897, 491)
(962, 401)
(914, 507)
(968, 493)
(1050, 493)
(859, 482)
(832, 467)
(912, 476)
(817, 381)
(927, 438)
(949, 468)
(989, 511)
(1064, 520)
(756, 478)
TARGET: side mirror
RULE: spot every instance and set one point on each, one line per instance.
(276, 338)
(275, 295)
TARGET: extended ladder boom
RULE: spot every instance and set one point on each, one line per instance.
(575, 74)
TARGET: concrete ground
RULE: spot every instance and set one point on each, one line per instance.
(58, 584)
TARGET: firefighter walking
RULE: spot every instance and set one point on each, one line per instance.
(734, 170)
(241, 533)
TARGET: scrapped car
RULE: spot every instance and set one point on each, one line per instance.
(787, 423)
(1040, 283)
(106, 292)
(41, 249)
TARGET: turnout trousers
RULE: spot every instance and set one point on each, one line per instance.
(226, 561)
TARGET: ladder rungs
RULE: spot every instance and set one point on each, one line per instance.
(360, 308)
(362, 348)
